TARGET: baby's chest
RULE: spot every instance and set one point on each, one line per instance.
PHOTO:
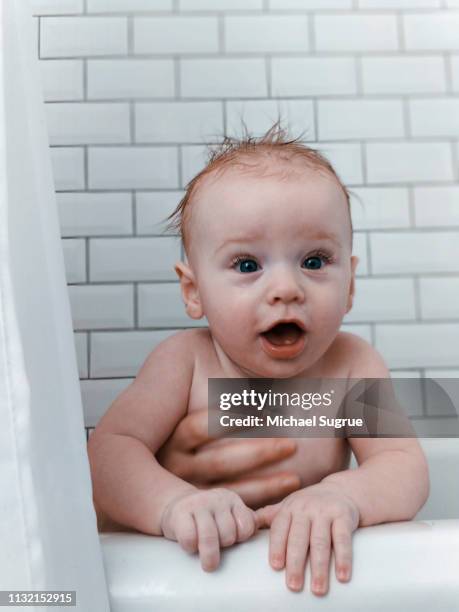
(314, 458)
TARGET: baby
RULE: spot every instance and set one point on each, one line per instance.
(268, 237)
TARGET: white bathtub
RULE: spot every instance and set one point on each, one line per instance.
(409, 566)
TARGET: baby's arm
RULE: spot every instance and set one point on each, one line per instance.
(390, 484)
(392, 480)
(130, 486)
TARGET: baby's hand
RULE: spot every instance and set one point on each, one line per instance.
(314, 518)
(205, 520)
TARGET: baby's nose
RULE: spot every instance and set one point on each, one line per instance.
(285, 287)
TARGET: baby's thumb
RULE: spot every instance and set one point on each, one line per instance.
(264, 516)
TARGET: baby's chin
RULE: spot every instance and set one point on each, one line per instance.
(273, 368)
(282, 370)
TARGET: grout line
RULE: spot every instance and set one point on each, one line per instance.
(448, 68)
(368, 252)
(132, 122)
(39, 38)
(225, 117)
(455, 159)
(359, 75)
(180, 167)
(268, 76)
(241, 55)
(85, 80)
(364, 164)
(411, 208)
(86, 167)
(136, 304)
(135, 228)
(130, 35)
(373, 334)
(88, 344)
(177, 82)
(256, 11)
(407, 119)
(254, 98)
(328, 141)
(87, 254)
(315, 117)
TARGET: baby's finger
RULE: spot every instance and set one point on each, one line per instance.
(297, 550)
(278, 537)
(265, 516)
(226, 525)
(208, 540)
(245, 521)
(342, 546)
(186, 533)
(319, 546)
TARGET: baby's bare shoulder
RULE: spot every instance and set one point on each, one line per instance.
(362, 359)
(152, 405)
(182, 345)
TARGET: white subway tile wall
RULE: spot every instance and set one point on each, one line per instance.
(161, 305)
(130, 78)
(266, 34)
(177, 122)
(400, 75)
(95, 214)
(135, 88)
(102, 306)
(115, 354)
(83, 36)
(153, 209)
(62, 80)
(313, 76)
(56, 7)
(353, 32)
(70, 123)
(175, 34)
(68, 168)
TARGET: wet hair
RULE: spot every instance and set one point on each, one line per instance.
(251, 154)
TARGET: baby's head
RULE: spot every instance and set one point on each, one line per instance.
(268, 236)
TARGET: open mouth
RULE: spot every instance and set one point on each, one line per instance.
(284, 340)
(283, 333)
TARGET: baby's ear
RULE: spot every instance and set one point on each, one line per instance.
(190, 293)
(350, 297)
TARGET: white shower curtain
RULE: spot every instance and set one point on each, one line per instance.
(48, 535)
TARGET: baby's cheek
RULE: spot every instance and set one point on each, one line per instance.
(333, 307)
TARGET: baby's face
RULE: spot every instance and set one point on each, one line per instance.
(272, 253)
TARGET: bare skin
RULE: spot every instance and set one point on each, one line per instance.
(190, 455)
(272, 249)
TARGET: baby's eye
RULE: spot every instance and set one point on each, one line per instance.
(245, 264)
(316, 262)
